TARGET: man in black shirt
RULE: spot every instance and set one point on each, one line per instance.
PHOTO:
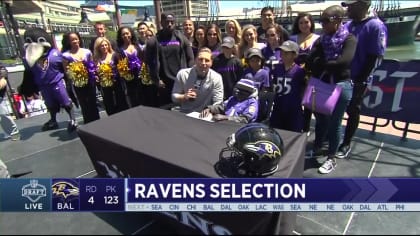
(166, 54)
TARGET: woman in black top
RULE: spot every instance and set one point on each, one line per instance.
(330, 59)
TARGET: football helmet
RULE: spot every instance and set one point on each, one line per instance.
(252, 151)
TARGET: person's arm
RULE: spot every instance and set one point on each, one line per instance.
(3, 77)
(249, 115)
(152, 59)
(315, 61)
(372, 61)
(375, 51)
(178, 94)
(344, 60)
(217, 88)
(65, 66)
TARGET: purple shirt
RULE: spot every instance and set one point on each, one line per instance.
(248, 107)
(54, 71)
(371, 37)
(268, 53)
(288, 86)
(86, 52)
(261, 78)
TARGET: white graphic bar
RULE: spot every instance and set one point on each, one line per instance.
(273, 207)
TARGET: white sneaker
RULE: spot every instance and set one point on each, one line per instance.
(328, 166)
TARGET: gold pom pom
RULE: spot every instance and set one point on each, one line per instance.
(106, 77)
(78, 73)
(122, 67)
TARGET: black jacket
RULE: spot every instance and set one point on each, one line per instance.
(154, 54)
(339, 68)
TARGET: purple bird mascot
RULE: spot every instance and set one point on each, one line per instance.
(44, 72)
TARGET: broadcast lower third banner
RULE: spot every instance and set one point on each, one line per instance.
(210, 195)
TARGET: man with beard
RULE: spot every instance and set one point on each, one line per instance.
(166, 54)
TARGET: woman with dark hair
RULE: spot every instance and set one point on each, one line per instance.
(304, 36)
(80, 70)
(274, 39)
(214, 39)
(129, 63)
(333, 54)
(199, 39)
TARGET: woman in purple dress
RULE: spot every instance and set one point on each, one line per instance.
(129, 64)
(80, 69)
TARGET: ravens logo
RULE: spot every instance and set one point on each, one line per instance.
(64, 189)
(263, 149)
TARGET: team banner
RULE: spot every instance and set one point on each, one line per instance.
(394, 91)
(211, 195)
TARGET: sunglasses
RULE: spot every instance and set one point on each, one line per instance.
(241, 91)
(328, 19)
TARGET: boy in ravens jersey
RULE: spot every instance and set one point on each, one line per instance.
(289, 84)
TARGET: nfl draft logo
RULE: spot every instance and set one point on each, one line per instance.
(34, 191)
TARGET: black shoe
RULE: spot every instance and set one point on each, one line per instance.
(343, 151)
(50, 125)
(72, 126)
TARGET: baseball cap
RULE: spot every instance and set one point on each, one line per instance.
(254, 52)
(346, 3)
(289, 46)
(228, 42)
(246, 84)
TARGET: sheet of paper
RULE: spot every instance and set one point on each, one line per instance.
(196, 115)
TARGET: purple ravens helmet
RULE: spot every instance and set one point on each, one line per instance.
(252, 151)
(37, 44)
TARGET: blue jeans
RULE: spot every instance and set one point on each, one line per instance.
(6, 121)
(331, 125)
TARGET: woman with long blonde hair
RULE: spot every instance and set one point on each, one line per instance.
(248, 40)
(110, 84)
(234, 30)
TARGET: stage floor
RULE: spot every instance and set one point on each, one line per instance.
(59, 154)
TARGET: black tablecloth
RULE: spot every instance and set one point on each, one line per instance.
(149, 142)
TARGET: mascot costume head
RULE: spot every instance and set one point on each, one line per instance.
(37, 45)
